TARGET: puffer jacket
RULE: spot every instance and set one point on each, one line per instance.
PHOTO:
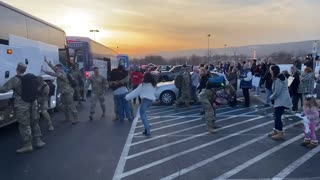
(280, 91)
(306, 83)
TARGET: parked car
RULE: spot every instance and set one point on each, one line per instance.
(167, 92)
(172, 73)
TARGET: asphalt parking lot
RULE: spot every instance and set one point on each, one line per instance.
(181, 148)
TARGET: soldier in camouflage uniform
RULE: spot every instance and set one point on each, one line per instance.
(26, 113)
(208, 98)
(66, 92)
(78, 90)
(99, 84)
(185, 90)
(43, 101)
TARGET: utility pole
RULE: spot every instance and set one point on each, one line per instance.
(209, 48)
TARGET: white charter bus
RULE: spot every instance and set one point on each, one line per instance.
(28, 39)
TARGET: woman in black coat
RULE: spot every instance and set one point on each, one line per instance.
(293, 88)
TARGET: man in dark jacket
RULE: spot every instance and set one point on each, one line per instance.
(293, 88)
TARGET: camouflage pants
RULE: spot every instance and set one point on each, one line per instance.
(28, 119)
(185, 97)
(206, 99)
(69, 108)
(43, 107)
(94, 98)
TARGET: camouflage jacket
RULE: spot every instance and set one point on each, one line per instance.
(62, 82)
(99, 84)
(186, 82)
(77, 76)
(14, 84)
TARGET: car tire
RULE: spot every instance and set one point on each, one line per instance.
(167, 97)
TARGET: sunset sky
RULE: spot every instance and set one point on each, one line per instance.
(147, 26)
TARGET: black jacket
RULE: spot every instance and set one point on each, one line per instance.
(267, 78)
(293, 89)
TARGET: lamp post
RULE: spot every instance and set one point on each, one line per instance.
(94, 33)
(209, 48)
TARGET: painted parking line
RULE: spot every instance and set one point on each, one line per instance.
(122, 162)
(176, 132)
(155, 163)
(167, 108)
(171, 125)
(184, 108)
(259, 157)
(189, 138)
(288, 170)
(174, 119)
(218, 156)
(125, 151)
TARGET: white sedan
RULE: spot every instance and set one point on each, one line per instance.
(167, 92)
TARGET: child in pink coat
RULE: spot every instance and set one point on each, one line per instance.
(311, 112)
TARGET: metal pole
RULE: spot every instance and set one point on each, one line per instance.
(209, 48)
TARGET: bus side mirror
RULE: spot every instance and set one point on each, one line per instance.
(7, 74)
(26, 61)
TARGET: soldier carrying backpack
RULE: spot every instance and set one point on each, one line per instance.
(25, 107)
(215, 94)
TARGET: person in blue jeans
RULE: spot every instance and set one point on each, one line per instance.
(146, 91)
(123, 106)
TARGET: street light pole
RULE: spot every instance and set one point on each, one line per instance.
(209, 48)
(94, 33)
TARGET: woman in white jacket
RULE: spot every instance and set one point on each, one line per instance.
(146, 91)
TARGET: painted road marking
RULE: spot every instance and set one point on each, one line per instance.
(259, 157)
(161, 136)
(125, 151)
(147, 166)
(189, 138)
(218, 156)
(174, 119)
(171, 125)
(288, 170)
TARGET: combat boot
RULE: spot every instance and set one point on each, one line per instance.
(174, 106)
(210, 129)
(75, 118)
(215, 126)
(51, 128)
(39, 143)
(103, 114)
(278, 136)
(27, 147)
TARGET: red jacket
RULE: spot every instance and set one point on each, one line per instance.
(136, 78)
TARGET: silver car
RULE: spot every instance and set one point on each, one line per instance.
(167, 92)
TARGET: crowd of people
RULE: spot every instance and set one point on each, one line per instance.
(284, 90)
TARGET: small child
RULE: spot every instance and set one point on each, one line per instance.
(311, 112)
(146, 91)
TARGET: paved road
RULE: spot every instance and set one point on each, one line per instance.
(86, 151)
(180, 147)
